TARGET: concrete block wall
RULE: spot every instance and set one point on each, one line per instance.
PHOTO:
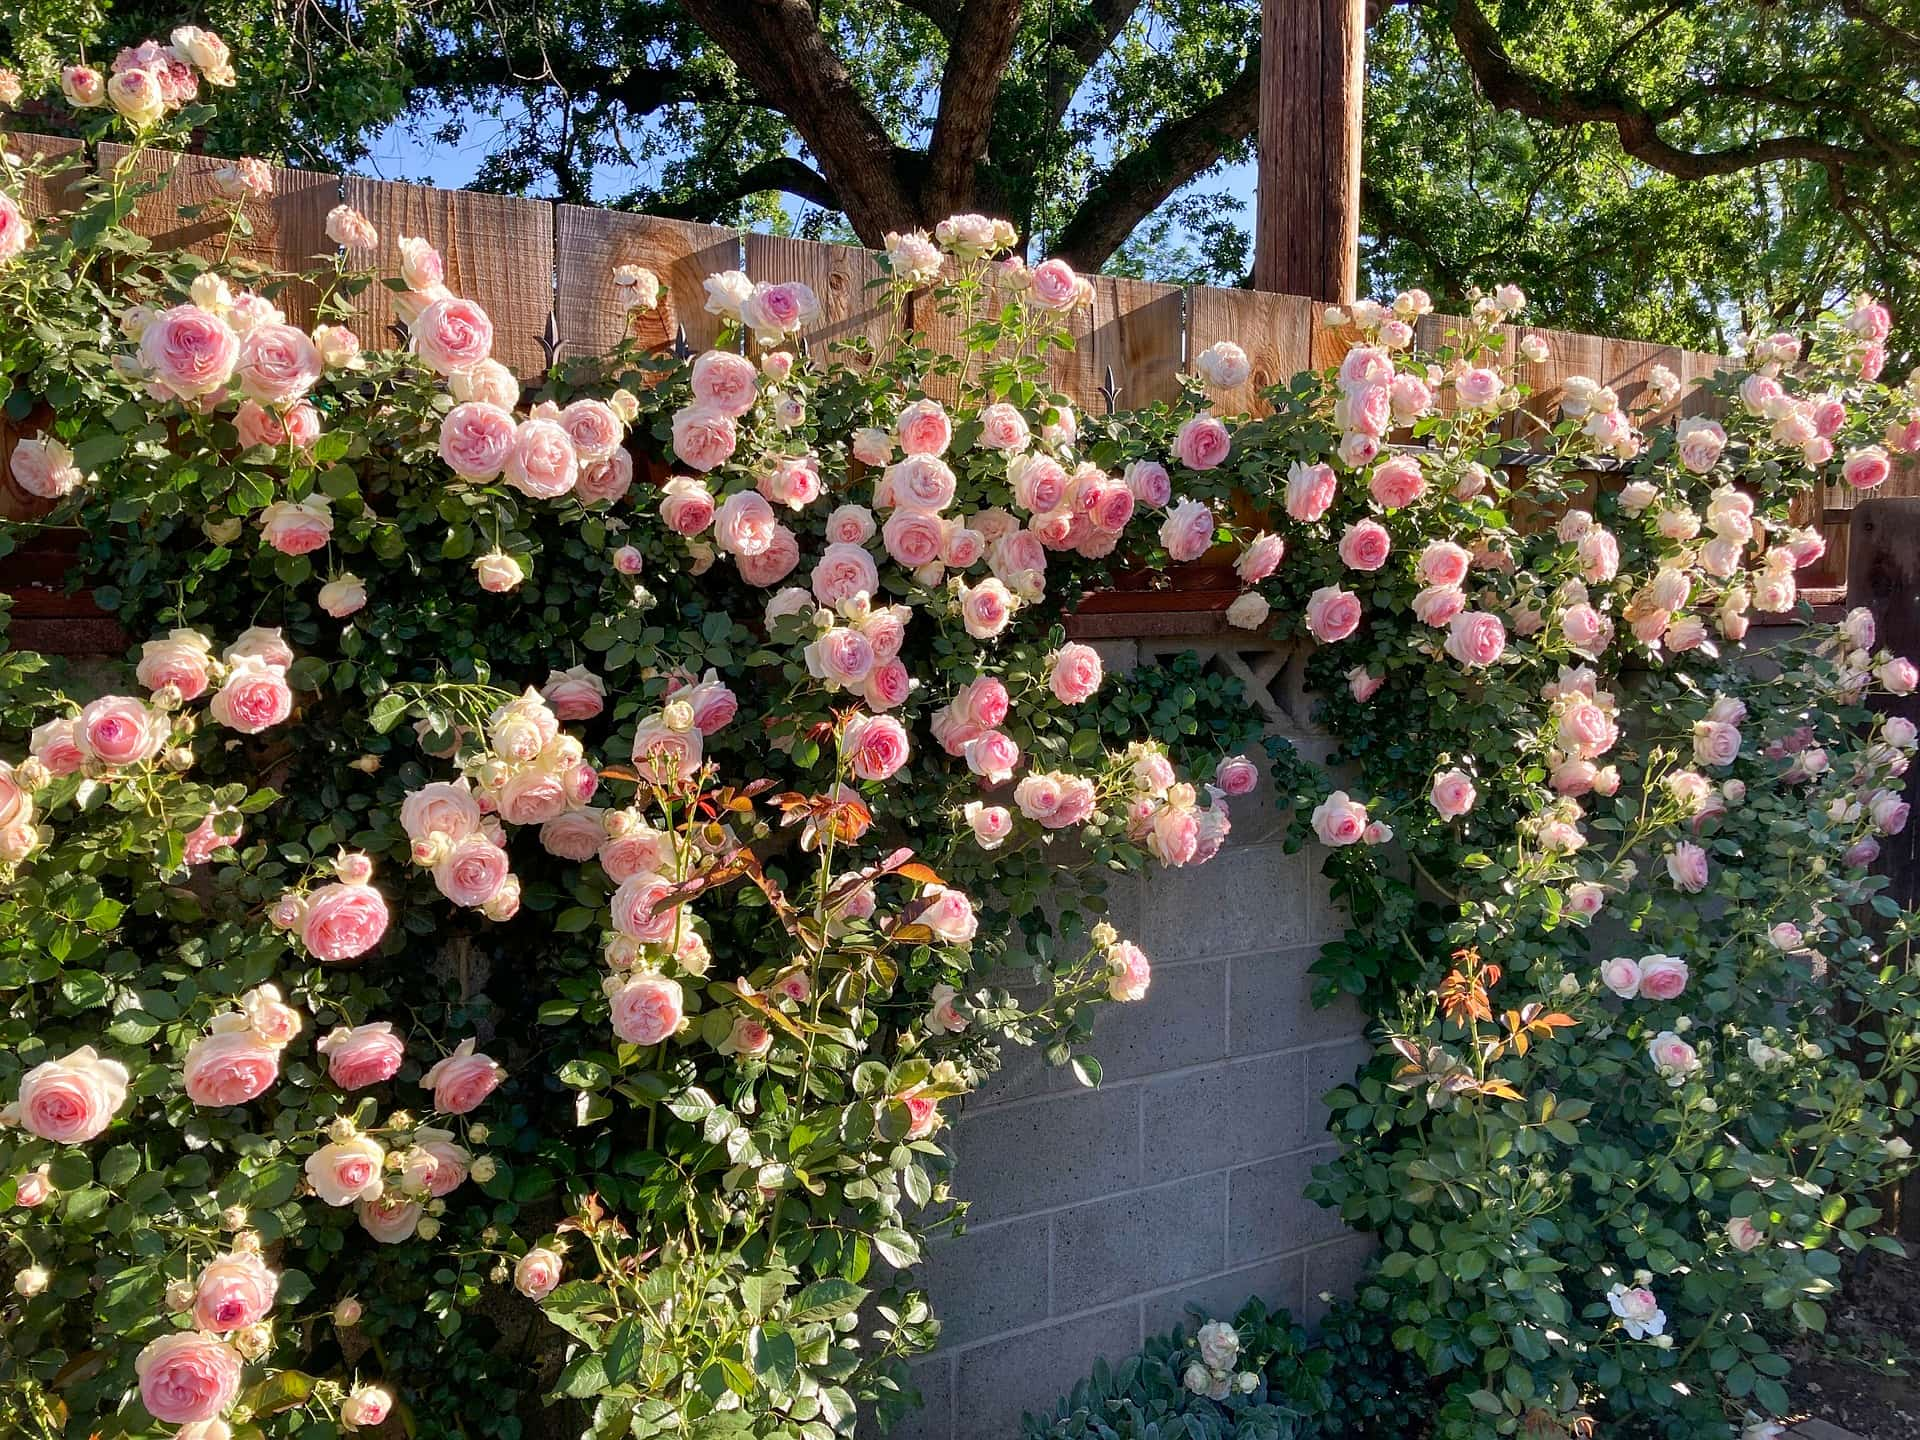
(1097, 1216)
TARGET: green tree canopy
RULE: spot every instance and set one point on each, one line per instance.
(1679, 169)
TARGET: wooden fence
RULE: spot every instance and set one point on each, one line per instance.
(545, 274)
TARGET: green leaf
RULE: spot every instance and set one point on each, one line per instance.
(626, 1344)
(827, 1299)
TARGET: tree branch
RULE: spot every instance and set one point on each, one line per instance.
(977, 56)
(1508, 86)
(1136, 184)
(1082, 40)
(785, 173)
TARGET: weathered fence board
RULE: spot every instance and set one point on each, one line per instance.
(852, 307)
(1276, 331)
(288, 229)
(498, 251)
(1135, 328)
(589, 244)
(44, 195)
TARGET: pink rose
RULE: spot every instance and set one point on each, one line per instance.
(1866, 468)
(1128, 972)
(440, 807)
(1452, 794)
(71, 1100)
(1438, 604)
(602, 482)
(472, 871)
(362, 1055)
(687, 506)
(42, 466)
(366, 1407)
(189, 352)
(647, 1009)
(183, 660)
(713, 703)
(637, 913)
(1397, 482)
(55, 744)
(703, 437)
(1700, 443)
(1074, 673)
(1201, 443)
(1150, 483)
(842, 657)
(1675, 1059)
(186, 1377)
(664, 755)
(277, 364)
(118, 730)
(985, 609)
(1365, 546)
(230, 1066)
(33, 1189)
(532, 797)
(476, 438)
(1621, 975)
(1002, 427)
(1476, 639)
(462, 1080)
(1477, 387)
(921, 482)
(725, 382)
(1363, 686)
(1187, 531)
(1332, 614)
(773, 564)
(1340, 820)
(1310, 490)
(993, 755)
(343, 921)
(297, 527)
(389, 1219)
(794, 481)
(1444, 563)
(575, 694)
(924, 429)
(537, 1274)
(1236, 775)
(744, 524)
(453, 334)
(576, 835)
(1687, 867)
(255, 697)
(1260, 559)
(235, 1290)
(850, 525)
(914, 538)
(1053, 285)
(950, 915)
(874, 746)
(542, 462)
(1662, 977)
(1896, 674)
(888, 684)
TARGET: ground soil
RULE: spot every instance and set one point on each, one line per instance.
(1864, 1374)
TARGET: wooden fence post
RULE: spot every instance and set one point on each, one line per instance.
(1312, 75)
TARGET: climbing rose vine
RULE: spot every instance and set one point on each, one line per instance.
(507, 952)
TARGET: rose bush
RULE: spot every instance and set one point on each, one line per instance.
(508, 952)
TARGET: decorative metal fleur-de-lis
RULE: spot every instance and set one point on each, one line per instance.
(681, 349)
(401, 333)
(1110, 391)
(550, 342)
(806, 351)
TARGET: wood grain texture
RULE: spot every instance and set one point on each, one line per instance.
(42, 195)
(1276, 331)
(1311, 84)
(937, 323)
(1135, 327)
(288, 228)
(839, 275)
(498, 252)
(588, 244)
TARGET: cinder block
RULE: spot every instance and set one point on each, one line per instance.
(1327, 1069)
(933, 1378)
(1820, 1430)
(1332, 1270)
(1023, 1073)
(995, 1383)
(1270, 1004)
(1141, 1241)
(1212, 1118)
(1182, 1022)
(1218, 1297)
(1015, 1159)
(1250, 898)
(1270, 1213)
(989, 1280)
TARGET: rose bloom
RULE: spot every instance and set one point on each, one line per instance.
(462, 1080)
(297, 527)
(993, 755)
(443, 807)
(476, 438)
(43, 467)
(1339, 820)
(183, 660)
(1397, 482)
(188, 351)
(647, 1009)
(1621, 975)
(1223, 365)
(117, 730)
(532, 797)
(235, 1290)
(452, 334)
(542, 462)
(1310, 490)
(950, 915)
(342, 922)
(1744, 1235)
(362, 1055)
(1452, 793)
(1236, 775)
(1866, 468)
(472, 871)
(924, 429)
(537, 1273)
(73, 1099)
(602, 482)
(277, 364)
(875, 746)
(1332, 614)
(1187, 531)
(703, 437)
(1260, 559)
(230, 1066)
(1687, 867)
(576, 836)
(1438, 604)
(366, 1406)
(687, 506)
(1201, 443)
(986, 608)
(1586, 898)
(1149, 482)
(1365, 546)
(1128, 972)
(186, 1377)
(725, 382)
(1476, 639)
(1673, 1057)
(390, 1219)
(1003, 428)
(991, 825)
(1662, 977)
(255, 697)
(1444, 563)
(773, 564)
(1074, 673)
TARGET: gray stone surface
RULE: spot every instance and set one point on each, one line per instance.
(1098, 1217)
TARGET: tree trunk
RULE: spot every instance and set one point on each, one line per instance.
(1312, 74)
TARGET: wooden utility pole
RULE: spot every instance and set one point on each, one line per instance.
(1312, 75)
